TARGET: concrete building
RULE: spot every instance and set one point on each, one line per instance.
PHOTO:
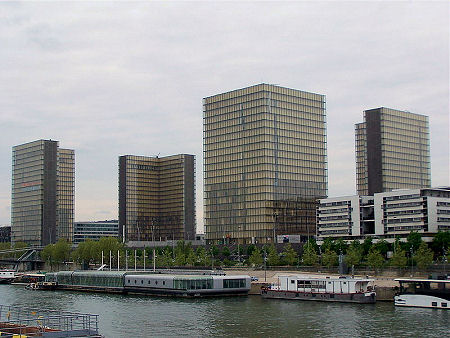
(392, 151)
(43, 183)
(95, 230)
(385, 215)
(157, 197)
(265, 163)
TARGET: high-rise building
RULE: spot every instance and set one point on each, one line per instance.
(265, 163)
(43, 181)
(157, 197)
(392, 151)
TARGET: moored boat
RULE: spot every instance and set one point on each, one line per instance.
(328, 289)
(429, 293)
(7, 276)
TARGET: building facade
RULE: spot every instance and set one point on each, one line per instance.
(5, 234)
(157, 197)
(265, 163)
(95, 230)
(392, 151)
(42, 202)
(385, 215)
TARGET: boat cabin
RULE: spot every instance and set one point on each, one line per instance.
(325, 285)
(430, 287)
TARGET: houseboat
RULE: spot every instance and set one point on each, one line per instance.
(160, 284)
(328, 289)
(7, 276)
(430, 293)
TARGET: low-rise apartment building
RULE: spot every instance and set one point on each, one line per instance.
(385, 215)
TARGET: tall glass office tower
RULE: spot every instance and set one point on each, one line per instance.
(265, 163)
(392, 151)
(157, 197)
(42, 202)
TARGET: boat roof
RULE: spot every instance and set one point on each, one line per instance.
(421, 280)
(333, 278)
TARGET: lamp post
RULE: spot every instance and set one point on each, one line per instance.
(412, 261)
(265, 264)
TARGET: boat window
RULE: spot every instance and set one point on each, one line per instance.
(292, 281)
(129, 281)
(164, 282)
(233, 283)
(135, 281)
(433, 303)
(345, 282)
(156, 282)
(444, 304)
(148, 282)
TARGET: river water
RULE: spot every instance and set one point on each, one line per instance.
(252, 316)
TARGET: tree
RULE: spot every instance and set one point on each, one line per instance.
(414, 240)
(47, 254)
(341, 246)
(61, 251)
(5, 246)
(190, 258)
(354, 254)
(250, 249)
(273, 258)
(441, 243)
(290, 255)
(309, 256)
(329, 258)
(20, 245)
(226, 252)
(382, 246)
(399, 258)
(203, 258)
(423, 256)
(367, 244)
(328, 244)
(375, 259)
(256, 258)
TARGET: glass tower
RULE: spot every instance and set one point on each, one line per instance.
(157, 197)
(265, 163)
(392, 151)
(42, 197)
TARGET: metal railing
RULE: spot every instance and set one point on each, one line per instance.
(30, 322)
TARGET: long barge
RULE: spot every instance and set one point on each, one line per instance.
(149, 283)
(347, 290)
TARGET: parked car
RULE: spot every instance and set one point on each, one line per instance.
(253, 278)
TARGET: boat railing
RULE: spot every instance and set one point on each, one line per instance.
(22, 320)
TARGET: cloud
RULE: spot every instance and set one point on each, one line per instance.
(108, 79)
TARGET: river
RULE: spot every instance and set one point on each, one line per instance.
(252, 316)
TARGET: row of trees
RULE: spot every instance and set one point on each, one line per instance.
(375, 255)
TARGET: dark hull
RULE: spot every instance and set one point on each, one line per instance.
(154, 291)
(360, 298)
(6, 280)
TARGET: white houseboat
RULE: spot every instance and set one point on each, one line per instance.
(7, 276)
(431, 293)
(328, 289)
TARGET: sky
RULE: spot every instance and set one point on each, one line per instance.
(116, 78)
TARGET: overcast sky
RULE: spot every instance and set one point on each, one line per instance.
(115, 78)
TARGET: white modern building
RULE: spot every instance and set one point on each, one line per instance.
(385, 215)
